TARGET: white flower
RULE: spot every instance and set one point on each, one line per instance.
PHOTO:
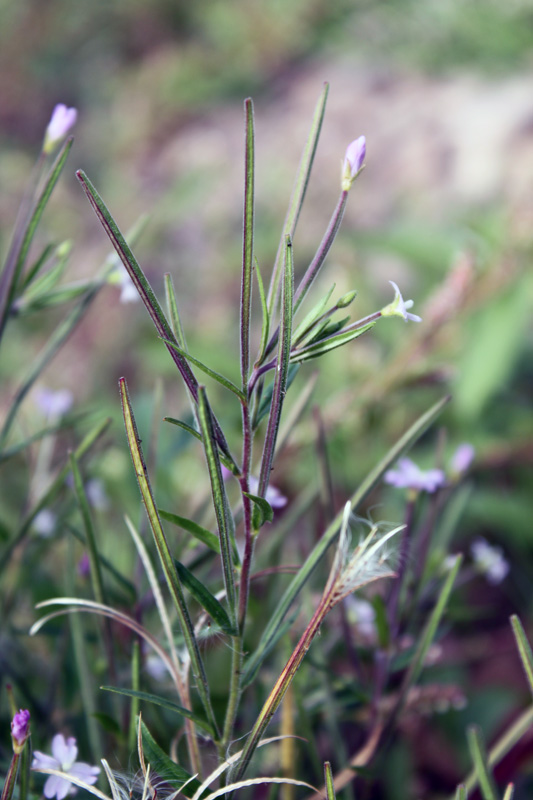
(363, 614)
(399, 306)
(128, 292)
(353, 162)
(489, 560)
(61, 121)
(63, 759)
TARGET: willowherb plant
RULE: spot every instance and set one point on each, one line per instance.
(223, 602)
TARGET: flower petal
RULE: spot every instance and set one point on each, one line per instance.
(84, 772)
(56, 787)
(65, 751)
(44, 761)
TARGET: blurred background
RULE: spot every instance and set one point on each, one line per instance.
(443, 91)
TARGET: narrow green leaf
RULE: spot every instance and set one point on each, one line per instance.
(333, 341)
(524, 649)
(328, 781)
(263, 511)
(480, 760)
(208, 371)
(248, 243)
(55, 487)
(208, 602)
(266, 399)
(25, 771)
(135, 703)
(330, 534)
(310, 319)
(173, 312)
(164, 703)
(280, 372)
(298, 195)
(265, 325)
(225, 522)
(65, 294)
(47, 254)
(228, 463)
(167, 562)
(54, 343)
(429, 632)
(51, 272)
(90, 537)
(23, 238)
(202, 534)
(109, 567)
(164, 767)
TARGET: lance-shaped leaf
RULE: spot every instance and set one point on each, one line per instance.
(479, 756)
(310, 319)
(202, 534)
(208, 601)
(164, 767)
(164, 703)
(167, 562)
(265, 326)
(208, 371)
(24, 234)
(55, 487)
(281, 372)
(248, 242)
(173, 312)
(298, 195)
(330, 534)
(225, 522)
(145, 291)
(263, 511)
(524, 649)
(330, 342)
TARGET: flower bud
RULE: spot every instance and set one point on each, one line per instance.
(353, 162)
(347, 299)
(61, 121)
(20, 730)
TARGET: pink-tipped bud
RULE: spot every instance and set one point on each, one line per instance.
(20, 729)
(61, 121)
(353, 162)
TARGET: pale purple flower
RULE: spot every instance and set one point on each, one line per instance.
(408, 475)
(20, 729)
(84, 566)
(61, 121)
(53, 404)
(353, 162)
(489, 560)
(363, 614)
(399, 306)
(44, 523)
(462, 458)
(272, 496)
(63, 759)
(94, 488)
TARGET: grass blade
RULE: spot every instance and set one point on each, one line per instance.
(173, 313)
(479, 757)
(524, 649)
(55, 487)
(22, 241)
(247, 243)
(167, 562)
(164, 767)
(298, 195)
(374, 476)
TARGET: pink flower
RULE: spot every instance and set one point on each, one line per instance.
(408, 475)
(20, 729)
(61, 121)
(63, 759)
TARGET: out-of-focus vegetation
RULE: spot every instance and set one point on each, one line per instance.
(159, 88)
